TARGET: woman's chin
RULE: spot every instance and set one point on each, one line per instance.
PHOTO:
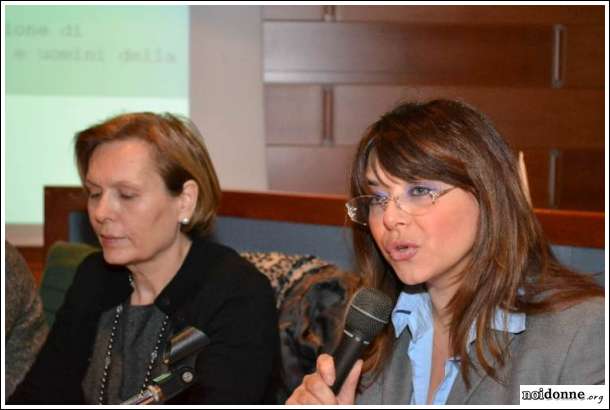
(410, 278)
(114, 257)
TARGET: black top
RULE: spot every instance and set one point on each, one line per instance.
(215, 291)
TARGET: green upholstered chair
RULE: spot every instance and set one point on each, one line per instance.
(60, 267)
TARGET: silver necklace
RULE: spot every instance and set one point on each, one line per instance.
(108, 357)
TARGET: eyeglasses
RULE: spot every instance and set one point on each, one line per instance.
(416, 201)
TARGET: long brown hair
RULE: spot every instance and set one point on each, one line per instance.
(511, 265)
(180, 153)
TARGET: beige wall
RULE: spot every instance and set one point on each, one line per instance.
(226, 100)
(226, 86)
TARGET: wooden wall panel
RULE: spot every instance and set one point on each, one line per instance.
(309, 169)
(58, 202)
(34, 257)
(293, 114)
(474, 14)
(528, 118)
(584, 56)
(356, 107)
(536, 71)
(415, 54)
(580, 179)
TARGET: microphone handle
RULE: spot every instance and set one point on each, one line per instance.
(349, 351)
(151, 395)
(165, 387)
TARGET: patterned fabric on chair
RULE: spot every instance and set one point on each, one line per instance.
(311, 298)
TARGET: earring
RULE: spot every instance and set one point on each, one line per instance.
(184, 221)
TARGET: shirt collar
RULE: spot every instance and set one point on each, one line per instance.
(414, 310)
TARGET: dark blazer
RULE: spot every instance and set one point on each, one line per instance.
(565, 347)
(215, 291)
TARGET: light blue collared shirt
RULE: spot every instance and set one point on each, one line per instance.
(414, 310)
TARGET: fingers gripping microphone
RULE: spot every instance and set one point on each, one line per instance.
(368, 313)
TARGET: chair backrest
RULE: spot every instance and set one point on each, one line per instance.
(329, 242)
(60, 267)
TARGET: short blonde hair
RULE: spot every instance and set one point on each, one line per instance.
(180, 153)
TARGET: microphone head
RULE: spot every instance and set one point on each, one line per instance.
(368, 313)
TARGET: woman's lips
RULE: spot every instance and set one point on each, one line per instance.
(401, 252)
(110, 241)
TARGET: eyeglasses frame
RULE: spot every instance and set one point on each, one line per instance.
(351, 210)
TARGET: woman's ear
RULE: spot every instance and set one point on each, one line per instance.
(188, 198)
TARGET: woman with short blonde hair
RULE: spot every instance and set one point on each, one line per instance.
(152, 195)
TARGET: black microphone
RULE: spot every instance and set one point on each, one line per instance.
(368, 313)
(180, 357)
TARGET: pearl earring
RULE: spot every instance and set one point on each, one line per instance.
(184, 221)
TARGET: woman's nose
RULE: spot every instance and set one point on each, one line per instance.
(394, 215)
(102, 208)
